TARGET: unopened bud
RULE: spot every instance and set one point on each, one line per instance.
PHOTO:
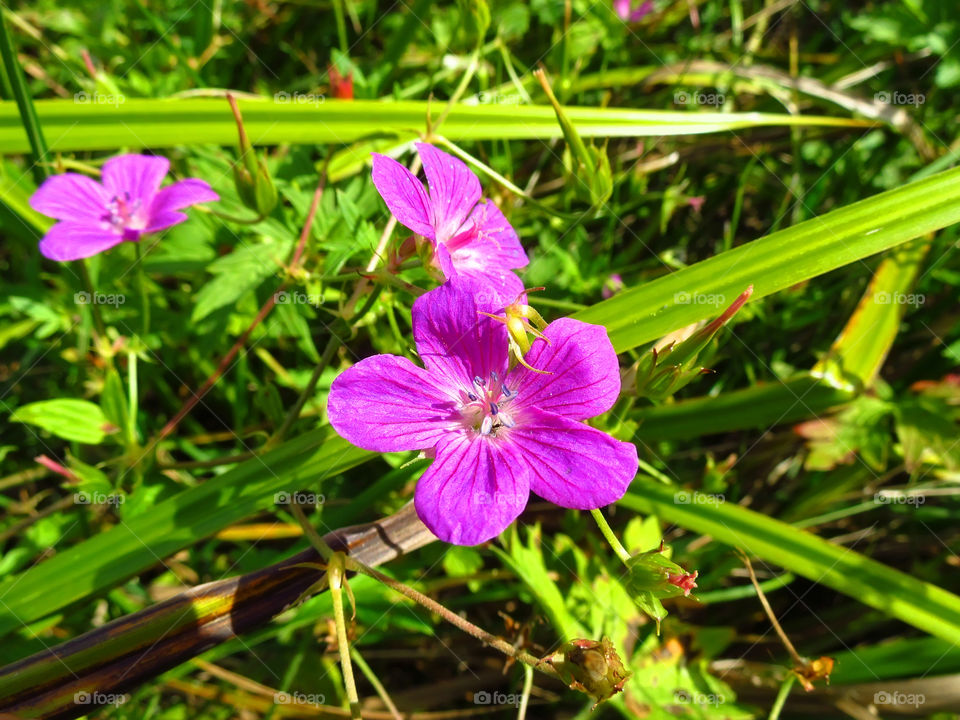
(591, 667)
(250, 174)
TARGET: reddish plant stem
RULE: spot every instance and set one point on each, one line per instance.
(264, 311)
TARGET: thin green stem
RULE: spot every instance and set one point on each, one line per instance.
(133, 399)
(92, 294)
(335, 575)
(341, 26)
(525, 693)
(144, 297)
(781, 699)
(611, 538)
(375, 681)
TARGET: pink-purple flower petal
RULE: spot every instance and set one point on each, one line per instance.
(456, 342)
(69, 240)
(583, 378)
(164, 219)
(454, 190)
(496, 240)
(404, 195)
(387, 404)
(182, 194)
(71, 196)
(137, 175)
(472, 491)
(572, 464)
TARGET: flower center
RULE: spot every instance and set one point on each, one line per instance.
(122, 213)
(484, 406)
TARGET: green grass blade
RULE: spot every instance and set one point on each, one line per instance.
(166, 123)
(778, 261)
(110, 557)
(26, 114)
(913, 601)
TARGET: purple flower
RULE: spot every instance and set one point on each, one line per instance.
(627, 13)
(469, 237)
(495, 434)
(127, 204)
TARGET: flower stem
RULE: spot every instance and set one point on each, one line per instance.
(335, 575)
(375, 681)
(94, 307)
(144, 302)
(452, 618)
(525, 693)
(782, 697)
(611, 538)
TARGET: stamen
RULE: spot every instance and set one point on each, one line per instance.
(472, 397)
(478, 381)
(506, 420)
(494, 409)
(486, 426)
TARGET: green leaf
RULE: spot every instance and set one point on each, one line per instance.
(138, 123)
(778, 261)
(906, 598)
(78, 420)
(108, 558)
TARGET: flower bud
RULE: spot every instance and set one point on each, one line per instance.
(588, 164)
(662, 372)
(652, 577)
(250, 174)
(591, 667)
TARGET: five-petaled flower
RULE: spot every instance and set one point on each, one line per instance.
(469, 237)
(128, 203)
(495, 433)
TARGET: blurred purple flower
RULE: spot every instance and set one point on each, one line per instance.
(495, 433)
(626, 12)
(470, 237)
(127, 204)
